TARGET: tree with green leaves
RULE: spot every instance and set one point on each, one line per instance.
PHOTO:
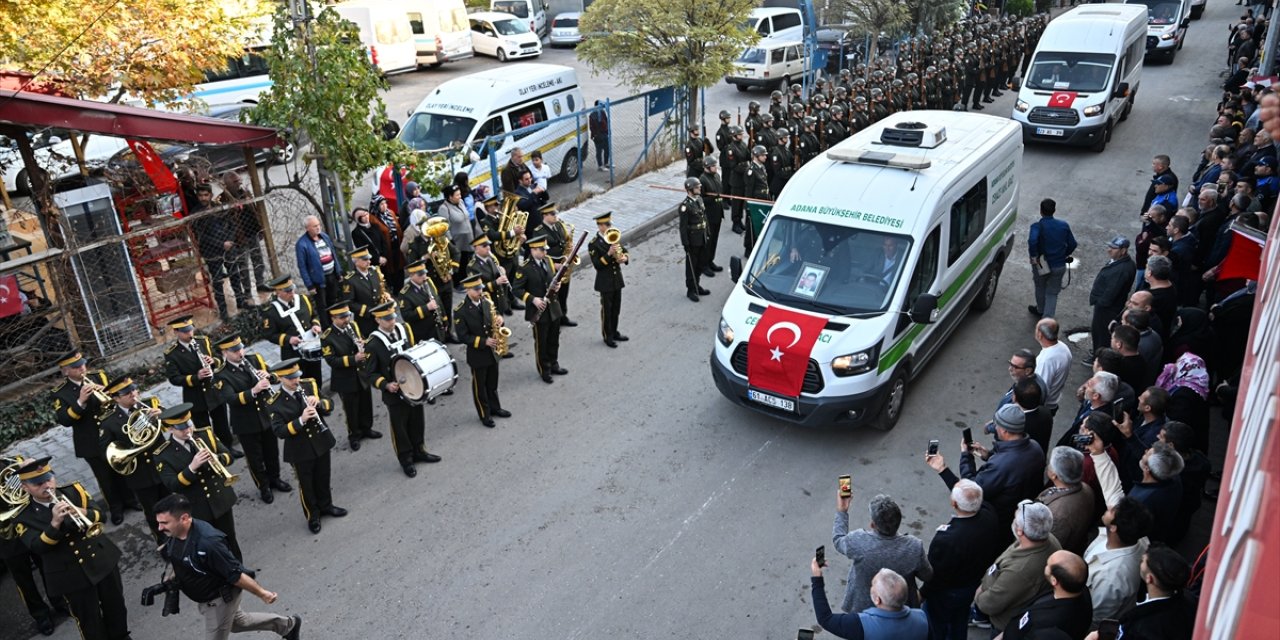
(686, 43)
(875, 16)
(931, 15)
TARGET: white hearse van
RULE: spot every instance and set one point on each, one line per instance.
(441, 31)
(385, 33)
(770, 63)
(464, 111)
(1167, 23)
(1083, 76)
(889, 238)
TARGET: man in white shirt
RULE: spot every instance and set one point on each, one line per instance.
(1053, 362)
(1115, 559)
(540, 169)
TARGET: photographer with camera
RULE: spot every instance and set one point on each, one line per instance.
(205, 569)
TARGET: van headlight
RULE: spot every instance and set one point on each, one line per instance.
(1166, 36)
(855, 363)
(725, 334)
(1021, 106)
(1093, 110)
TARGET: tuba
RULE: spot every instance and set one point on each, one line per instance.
(510, 218)
(613, 237)
(144, 433)
(437, 229)
(570, 261)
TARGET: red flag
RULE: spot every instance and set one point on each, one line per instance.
(160, 174)
(778, 351)
(387, 187)
(1062, 99)
(10, 301)
(1244, 257)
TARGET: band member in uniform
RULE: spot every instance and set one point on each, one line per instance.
(420, 304)
(348, 360)
(189, 363)
(474, 321)
(247, 385)
(533, 286)
(77, 403)
(81, 565)
(558, 243)
(608, 260)
(296, 416)
(144, 481)
(408, 424)
(508, 260)
(289, 320)
(362, 289)
(484, 264)
(198, 472)
(693, 236)
(22, 564)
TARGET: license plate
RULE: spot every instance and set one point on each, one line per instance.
(1046, 131)
(746, 73)
(768, 399)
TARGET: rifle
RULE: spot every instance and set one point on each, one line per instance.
(559, 274)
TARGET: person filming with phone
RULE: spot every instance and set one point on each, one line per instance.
(888, 618)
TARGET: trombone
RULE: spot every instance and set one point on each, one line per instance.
(228, 478)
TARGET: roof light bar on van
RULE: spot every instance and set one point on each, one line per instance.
(879, 158)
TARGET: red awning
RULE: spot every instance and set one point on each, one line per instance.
(26, 109)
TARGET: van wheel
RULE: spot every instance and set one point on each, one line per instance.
(891, 410)
(570, 167)
(785, 83)
(987, 296)
(741, 87)
(1128, 106)
(1101, 144)
(502, 55)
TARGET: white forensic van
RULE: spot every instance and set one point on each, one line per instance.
(890, 237)
(1167, 23)
(386, 33)
(464, 111)
(1083, 76)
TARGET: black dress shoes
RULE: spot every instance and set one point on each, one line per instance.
(708, 273)
(372, 435)
(236, 454)
(703, 291)
(117, 518)
(281, 485)
(546, 377)
(409, 470)
(717, 268)
(558, 370)
(355, 444)
(738, 228)
(566, 322)
(314, 525)
(488, 422)
(501, 413)
(508, 355)
(266, 495)
(423, 456)
(610, 343)
(337, 512)
(1031, 309)
(518, 306)
(620, 338)
(692, 295)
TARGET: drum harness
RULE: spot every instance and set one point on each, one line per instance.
(291, 313)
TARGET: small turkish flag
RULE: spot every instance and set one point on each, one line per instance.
(1062, 99)
(10, 300)
(778, 350)
(160, 174)
(1244, 256)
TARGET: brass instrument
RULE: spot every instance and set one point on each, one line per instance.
(497, 331)
(570, 259)
(228, 478)
(144, 433)
(510, 218)
(77, 516)
(11, 493)
(613, 237)
(437, 228)
(382, 285)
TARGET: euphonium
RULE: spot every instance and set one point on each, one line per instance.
(144, 432)
(437, 228)
(77, 516)
(228, 478)
(510, 218)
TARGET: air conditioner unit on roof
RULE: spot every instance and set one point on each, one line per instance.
(913, 134)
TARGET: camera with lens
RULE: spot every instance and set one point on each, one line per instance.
(171, 595)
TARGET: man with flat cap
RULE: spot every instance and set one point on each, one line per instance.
(297, 416)
(140, 476)
(474, 321)
(408, 423)
(81, 565)
(247, 385)
(189, 363)
(492, 274)
(533, 286)
(77, 402)
(559, 243)
(193, 463)
(363, 289)
(344, 350)
(420, 303)
(292, 321)
(608, 260)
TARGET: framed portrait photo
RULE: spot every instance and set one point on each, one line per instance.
(810, 280)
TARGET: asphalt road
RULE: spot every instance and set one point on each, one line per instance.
(628, 499)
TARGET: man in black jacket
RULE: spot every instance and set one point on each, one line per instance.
(297, 412)
(693, 237)
(960, 553)
(1166, 613)
(189, 363)
(608, 260)
(1065, 606)
(246, 386)
(474, 321)
(1110, 291)
(713, 206)
(408, 423)
(534, 287)
(216, 240)
(349, 378)
(144, 481)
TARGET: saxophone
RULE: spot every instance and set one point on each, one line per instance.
(497, 331)
(570, 261)
(437, 229)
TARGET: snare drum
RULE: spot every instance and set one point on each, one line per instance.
(424, 371)
(310, 349)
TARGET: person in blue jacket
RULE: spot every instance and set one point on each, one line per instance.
(319, 266)
(890, 618)
(1050, 245)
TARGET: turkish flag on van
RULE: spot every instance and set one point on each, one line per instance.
(1062, 99)
(779, 348)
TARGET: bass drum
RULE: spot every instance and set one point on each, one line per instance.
(424, 372)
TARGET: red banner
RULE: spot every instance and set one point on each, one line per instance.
(1244, 257)
(160, 174)
(1062, 99)
(779, 350)
(10, 300)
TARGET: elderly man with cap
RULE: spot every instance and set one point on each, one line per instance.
(693, 237)
(713, 206)
(293, 322)
(1017, 576)
(297, 412)
(533, 286)
(1110, 291)
(420, 304)
(364, 289)
(193, 463)
(247, 384)
(190, 363)
(77, 402)
(344, 350)
(140, 476)
(63, 527)
(408, 423)
(559, 244)
(474, 321)
(608, 260)
(492, 274)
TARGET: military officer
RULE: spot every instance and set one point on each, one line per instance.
(776, 107)
(408, 423)
(420, 305)
(81, 566)
(713, 204)
(474, 321)
(780, 159)
(752, 123)
(144, 481)
(560, 243)
(836, 131)
(493, 273)
(693, 152)
(757, 187)
(735, 169)
(724, 135)
(189, 363)
(297, 411)
(362, 288)
(533, 285)
(293, 323)
(809, 146)
(608, 260)
(198, 471)
(77, 402)
(693, 236)
(247, 385)
(765, 136)
(348, 361)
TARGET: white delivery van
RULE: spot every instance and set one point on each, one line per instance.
(385, 31)
(1084, 75)
(770, 20)
(887, 240)
(441, 31)
(770, 63)
(465, 111)
(1167, 22)
(533, 13)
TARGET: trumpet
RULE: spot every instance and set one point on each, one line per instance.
(228, 478)
(143, 432)
(614, 238)
(77, 516)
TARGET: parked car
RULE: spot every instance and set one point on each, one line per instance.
(503, 36)
(564, 30)
(55, 155)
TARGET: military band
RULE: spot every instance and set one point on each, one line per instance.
(133, 427)
(246, 383)
(290, 320)
(190, 364)
(78, 401)
(420, 303)
(194, 464)
(363, 289)
(297, 417)
(607, 258)
(408, 421)
(344, 350)
(476, 323)
(559, 239)
(492, 274)
(534, 287)
(504, 249)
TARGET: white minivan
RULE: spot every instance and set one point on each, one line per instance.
(385, 30)
(770, 63)
(1083, 76)
(467, 110)
(503, 36)
(441, 31)
(1167, 23)
(770, 20)
(532, 13)
(880, 247)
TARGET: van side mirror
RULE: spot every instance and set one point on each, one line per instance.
(1122, 90)
(1016, 84)
(1186, 22)
(925, 309)
(735, 268)
(390, 129)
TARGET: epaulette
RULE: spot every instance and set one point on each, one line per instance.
(311, 382)
(459, 306)
(171, 347)
(348, 275)
(405, 289)
(60, 386)
(164, 445)
(272, 398)
(326, 333)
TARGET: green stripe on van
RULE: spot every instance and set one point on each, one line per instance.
(900, 348)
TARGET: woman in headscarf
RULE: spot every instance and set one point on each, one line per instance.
(1187, 382)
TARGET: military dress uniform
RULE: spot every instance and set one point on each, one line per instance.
(533, 280)
(508, 260)
(408, 421)
(87, 438)
(20, 563)
(609, 281)
(489, 269)
(693, 237)
(211, 497)
(349, 375)
(780, 167)
(757, 187)
(283, 321)
(145, 482)
(413, 300)
(693, 148)
(363, 292)
(558, 244)
(182, 365)
(307, 444)
(473, 322)
(724, 137)
(734, 171)
(83, 569)
(249, 419)
(713, 205)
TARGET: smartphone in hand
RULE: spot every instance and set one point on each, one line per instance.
(821, 555)
(968, 438)
(846, 486)
(933, 448)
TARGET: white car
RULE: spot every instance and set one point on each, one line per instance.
(55, 155)
(564, 30)
(503, 36)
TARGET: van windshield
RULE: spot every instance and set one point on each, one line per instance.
(510, 27)
(436, 132)
(826, 268)
(752, 55)
(517, 8)
(1161, 11)
(1082, 72)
